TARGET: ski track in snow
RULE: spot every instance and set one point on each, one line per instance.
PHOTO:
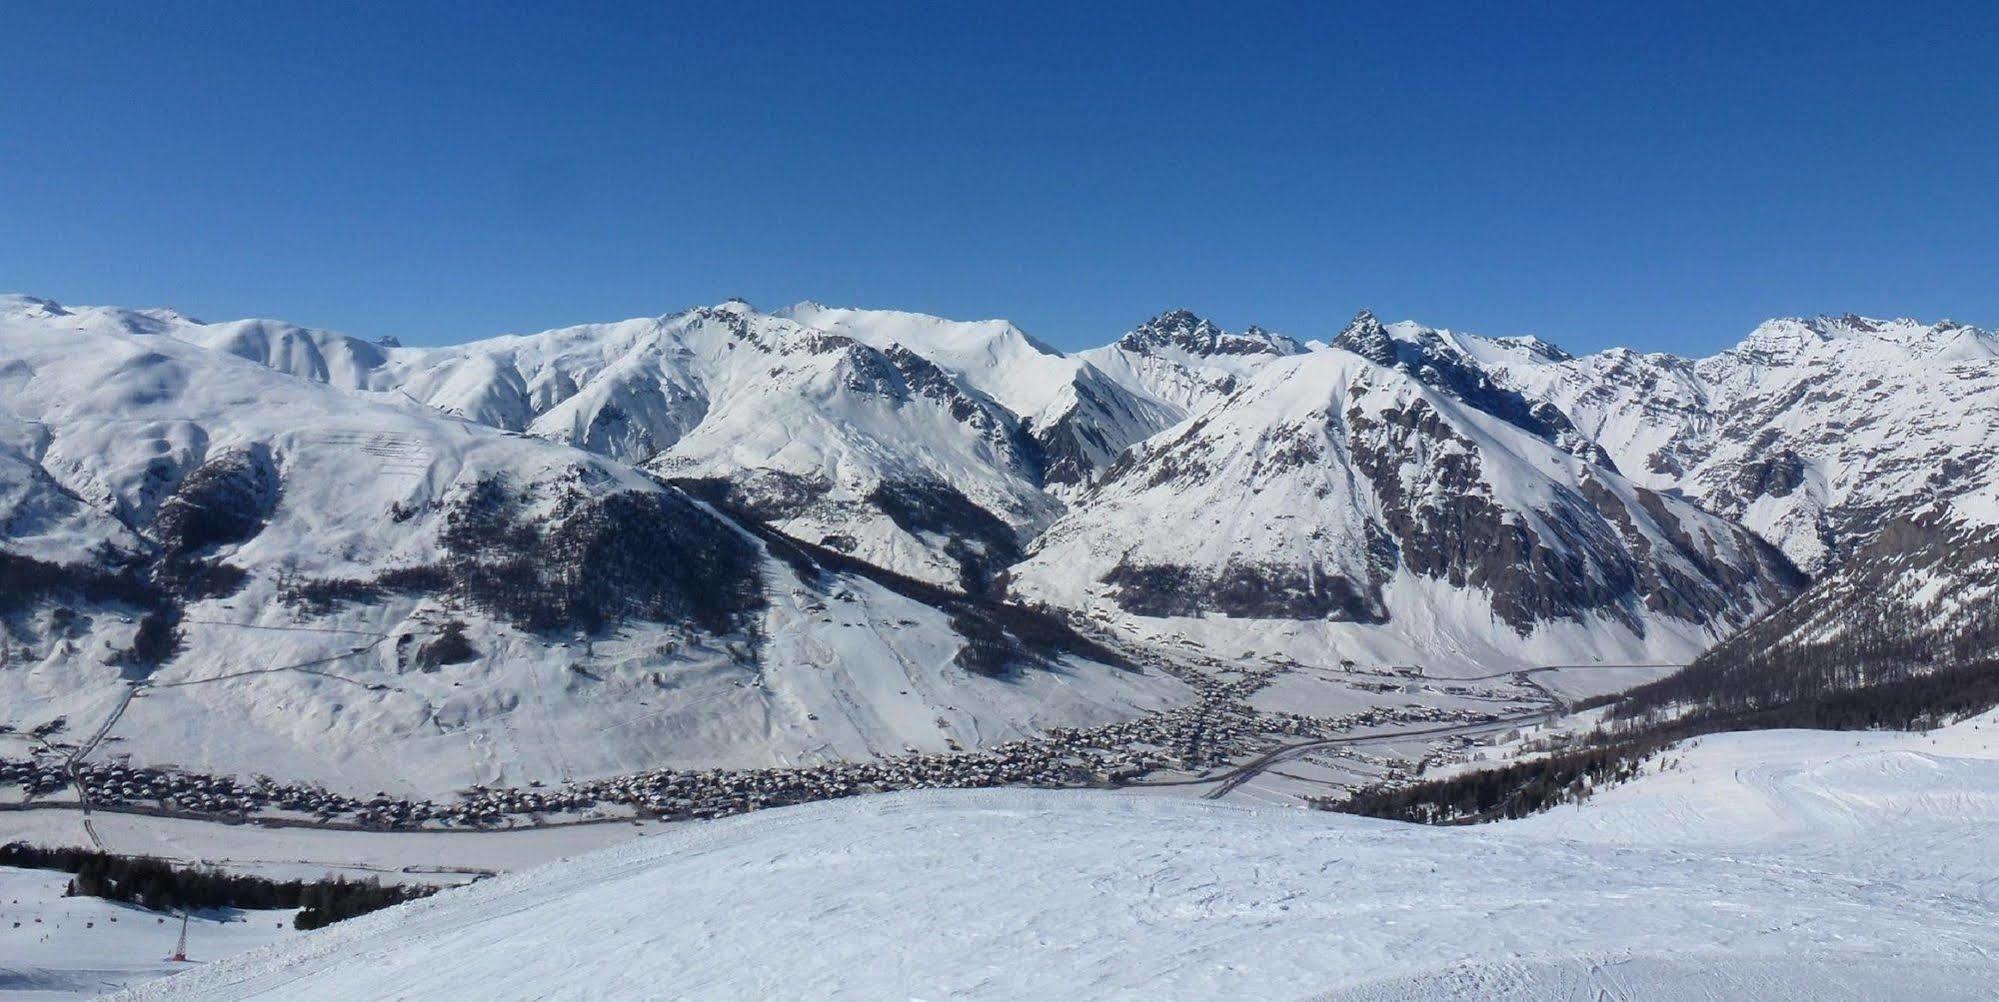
(1705, 879)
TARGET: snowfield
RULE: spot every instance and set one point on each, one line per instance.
(56, 947)
(1749, 866)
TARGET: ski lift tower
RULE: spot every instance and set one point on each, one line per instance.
(180, 948)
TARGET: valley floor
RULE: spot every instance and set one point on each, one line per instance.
(1746, 865)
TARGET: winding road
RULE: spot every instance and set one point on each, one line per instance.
(1230, 781)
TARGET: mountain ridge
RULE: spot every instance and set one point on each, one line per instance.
(1398, 495)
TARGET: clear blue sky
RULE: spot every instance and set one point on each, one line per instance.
(1663, 177)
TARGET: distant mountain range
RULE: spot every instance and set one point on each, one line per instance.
(736, 537)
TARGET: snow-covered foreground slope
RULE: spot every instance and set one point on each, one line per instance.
(56, 947)
(1781, 788)
(1752, 868)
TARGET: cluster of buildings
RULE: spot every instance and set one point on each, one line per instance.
(110, 784)
(1217, 727)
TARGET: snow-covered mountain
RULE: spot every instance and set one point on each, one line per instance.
(1449, 364)
(1917, 600)
(1080, 417)
(510, 542)
(246, 570)
(1401, 520)
(1813, 432)
(1865, 449)
(869, 448)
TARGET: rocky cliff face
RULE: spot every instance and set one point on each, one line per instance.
(1187, 362)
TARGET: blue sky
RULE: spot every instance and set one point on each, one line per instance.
(1663, 177)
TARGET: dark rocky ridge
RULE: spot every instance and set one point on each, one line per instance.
(1450, 371)
(1070, 444)
(598, 560)
(1595, 561)
(1183, 330)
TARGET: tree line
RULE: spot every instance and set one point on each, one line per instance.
(1868, 648)
(161, 886)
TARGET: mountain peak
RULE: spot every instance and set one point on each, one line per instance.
(1785, 340)
(1179, 320)
(168, 315)
(1536, 345)
(32, 306)
(1183, 330)
(1365, 336)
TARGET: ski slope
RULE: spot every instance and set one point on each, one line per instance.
(1748, 866)
(56, 947)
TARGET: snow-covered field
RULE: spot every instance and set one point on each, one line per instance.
(55, 947)
(1752, 866)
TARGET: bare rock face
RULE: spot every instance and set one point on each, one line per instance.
(1182, 331)
(1458, 531)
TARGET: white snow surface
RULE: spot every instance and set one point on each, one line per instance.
(1753, 866)
(56, 947)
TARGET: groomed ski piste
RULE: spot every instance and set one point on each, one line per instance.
(1768, 865)
(58, 947)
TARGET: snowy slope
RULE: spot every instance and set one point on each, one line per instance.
(1401, 521)
(1079, 416)
(302, 555)
(57, 947)
(1750, 869)
(868, 447)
